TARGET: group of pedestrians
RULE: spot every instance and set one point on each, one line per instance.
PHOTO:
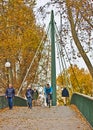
(32, 95)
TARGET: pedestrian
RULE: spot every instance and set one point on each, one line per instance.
(10, 93)
(48, 92)
(29, 96)
(65, 95)
(35, 96)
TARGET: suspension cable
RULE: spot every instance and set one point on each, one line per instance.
(68, 58)
(43, 61)
(61, 60)
(32, 61)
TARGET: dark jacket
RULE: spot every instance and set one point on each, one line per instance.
(65, 93)
(10, 92)
(35, 95)
(29, 93)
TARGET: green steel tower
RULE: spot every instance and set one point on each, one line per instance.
(53, 61)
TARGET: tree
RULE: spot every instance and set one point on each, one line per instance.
(76, 27)
(19, 39)
(80, 7)
(81, 80)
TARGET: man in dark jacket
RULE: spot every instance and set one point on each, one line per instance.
(65, 95)
(29, 96)
(10, 93)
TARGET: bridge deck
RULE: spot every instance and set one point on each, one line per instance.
(42, 118)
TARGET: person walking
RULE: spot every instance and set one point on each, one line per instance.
(65, 95)
(10, 93)
(29, 96)
(35, 96)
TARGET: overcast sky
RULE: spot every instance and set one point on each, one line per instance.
(79, 61)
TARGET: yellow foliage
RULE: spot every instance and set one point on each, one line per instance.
(80, 79)
(19, 35)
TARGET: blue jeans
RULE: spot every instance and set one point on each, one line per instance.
(10, 102)
(29, 101)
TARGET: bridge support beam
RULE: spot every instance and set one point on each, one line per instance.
(53, 62)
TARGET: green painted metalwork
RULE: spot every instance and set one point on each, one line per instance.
(18, 101)
(85, 105)
(53, 64)
(3, 102)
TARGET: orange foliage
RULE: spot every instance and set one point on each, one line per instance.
(19, 37)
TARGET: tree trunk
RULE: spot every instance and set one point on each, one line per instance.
(77, 42)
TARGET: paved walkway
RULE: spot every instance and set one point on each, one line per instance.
(42, 118)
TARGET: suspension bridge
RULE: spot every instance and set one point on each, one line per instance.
(57, 117)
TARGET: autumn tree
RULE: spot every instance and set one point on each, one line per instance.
(19, 39)
(75, 27)
(80, 18)
(81, 80)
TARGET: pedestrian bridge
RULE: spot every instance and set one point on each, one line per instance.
(57, 117)
(44, 118)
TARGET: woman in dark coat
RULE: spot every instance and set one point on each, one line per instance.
(65, 95)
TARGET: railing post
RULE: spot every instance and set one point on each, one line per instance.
(53, 63)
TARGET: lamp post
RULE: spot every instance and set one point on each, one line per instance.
(7, 65)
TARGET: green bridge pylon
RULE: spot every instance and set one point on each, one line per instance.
(53, 61)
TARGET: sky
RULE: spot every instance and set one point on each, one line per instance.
(80, 62)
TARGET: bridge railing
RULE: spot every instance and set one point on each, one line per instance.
(3, 102)
(18, 101)
(85, 105)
